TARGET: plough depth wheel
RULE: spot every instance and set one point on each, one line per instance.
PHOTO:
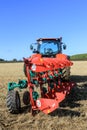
(26, 98)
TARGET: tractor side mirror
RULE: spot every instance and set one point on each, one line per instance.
(64, 47)
(31, 47)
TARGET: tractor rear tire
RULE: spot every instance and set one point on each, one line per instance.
(24, 69)
(26, 98)
(66, 73)
(13, 102)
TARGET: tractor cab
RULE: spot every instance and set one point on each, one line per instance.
(48, 47)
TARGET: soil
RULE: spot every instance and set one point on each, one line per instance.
(71, 115)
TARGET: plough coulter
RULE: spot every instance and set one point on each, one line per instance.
(47, 72)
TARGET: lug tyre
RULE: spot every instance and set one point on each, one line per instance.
(13, 102)
(24, 69)
(66, 73)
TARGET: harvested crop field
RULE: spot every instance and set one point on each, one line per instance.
(72, 114)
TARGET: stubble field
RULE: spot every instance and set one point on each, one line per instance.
(72, 114)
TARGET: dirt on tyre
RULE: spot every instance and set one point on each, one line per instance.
(13, 102)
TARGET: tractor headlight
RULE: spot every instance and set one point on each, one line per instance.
(33, 67)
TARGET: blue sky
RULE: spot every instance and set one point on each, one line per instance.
(23, 21)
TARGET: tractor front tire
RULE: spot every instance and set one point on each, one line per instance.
(13, 102)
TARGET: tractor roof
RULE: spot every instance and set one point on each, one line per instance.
(49, 39)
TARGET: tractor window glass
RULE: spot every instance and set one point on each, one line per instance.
(48, 48)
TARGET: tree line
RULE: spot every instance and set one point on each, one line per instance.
(13, 60)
